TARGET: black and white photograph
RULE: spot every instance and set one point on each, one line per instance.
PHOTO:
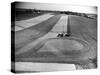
(48, 37)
